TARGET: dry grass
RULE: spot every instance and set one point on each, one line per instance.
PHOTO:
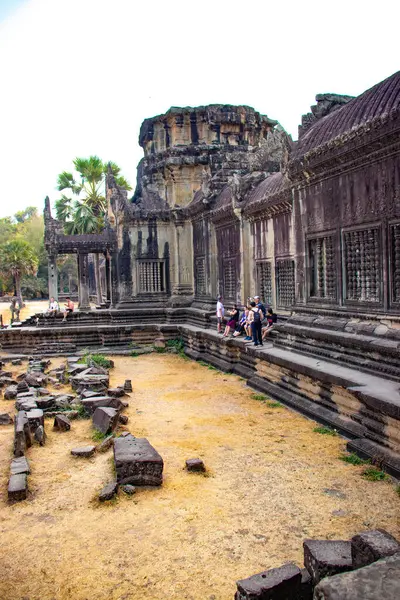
(195, 536)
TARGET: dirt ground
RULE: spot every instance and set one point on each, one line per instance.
(192, 538)
(31, 307)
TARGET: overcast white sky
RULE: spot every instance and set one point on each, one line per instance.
(79, 76)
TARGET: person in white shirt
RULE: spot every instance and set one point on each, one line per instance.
(53, 307)
(220, 314)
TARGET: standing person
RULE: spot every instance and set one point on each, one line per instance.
(220, 314)
(261, 306)
(69, 308)
(271, 320)
(234, 317)
(256, 324)
(53, 307)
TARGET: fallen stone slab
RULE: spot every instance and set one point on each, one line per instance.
(105, 444)
(6, 419)
(105, 419)
(26, 404)
(323, 558)
(76, 369)
(16, 362)
(17, 487)
(40, 435)
(89, 394)
(83, 451)
(35, 380)
(43, 391)
(45, 402)
(19, 465)
(35, 419)
(73, 359)
(90, 404)
(22, 434)
(370, 546)
(22, 387)
(123, 419)
(118, 392)
(195, 464)
(31, 393)
(137, 462)
(62, 423)
(306, 586)
(377, 581)
(275, 584)
(108, 492)
(10, 393)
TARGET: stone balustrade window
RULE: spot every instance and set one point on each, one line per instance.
(229, 279)
(395, 262)
(322, 268)
(362, 265)
(200, 276)
(285, 289)
(151, 276)
(264, 281)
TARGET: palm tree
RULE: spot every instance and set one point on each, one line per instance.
(86, 214)
(17, 259)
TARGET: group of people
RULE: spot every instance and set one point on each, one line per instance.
(54, 308)
(256, 322)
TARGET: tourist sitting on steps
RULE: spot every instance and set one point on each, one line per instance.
(271, 320)
(220, 314)
(53, 307)
(69, 308)
(241, 328)
(247, 326)
(233, 319)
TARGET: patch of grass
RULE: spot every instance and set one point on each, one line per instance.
(259, 397)
(177, 344)
(353, 459)
(159, 350)
(325, 430)
(97, 436)
(397, 490)
(82, 413)
(98, 359)
(374, 474)
(134, 353)
(204, 364)
(274, 404)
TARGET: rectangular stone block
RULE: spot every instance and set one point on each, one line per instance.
(282, 583)
(323, 558)
(378, 581)
(369, 546)
(92, 403)
(22, 434)
(137, 462)
(105, 419)
(19, 465)
(17, 487)
(35, 419)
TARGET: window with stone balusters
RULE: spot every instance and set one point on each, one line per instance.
(322, 267)
(395, 262)
(362, 265)
(264, 281)
(152, 276)
(284, 277)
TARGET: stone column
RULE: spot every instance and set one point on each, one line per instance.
(114, 280)
(53, 277)
(108, 277)
(182, 284)
(83, 274)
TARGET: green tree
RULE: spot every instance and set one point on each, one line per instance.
(83, 211)
(24, 215)
(17, 258)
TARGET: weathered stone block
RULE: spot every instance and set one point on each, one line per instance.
(5, 419)
(323, 558)
(108, 492)
(377, 581)
(306, 586)
(105, 419)
(83, 451)
(123, 419)
(369, 546)
(195, 464)
(10, 392)
(19, 465)
(35, 419)
(129, 489)
(117, 392)
(105, 444)
(17, 487)
(22, 387)
(137, 462)
(282, 583)
(62, 423)
(40, 435)
(90, 404)
(26, 404)
(22, 434)
(45, 402)
(128, 385)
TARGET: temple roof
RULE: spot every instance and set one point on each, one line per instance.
(376, 102)
(268, 187)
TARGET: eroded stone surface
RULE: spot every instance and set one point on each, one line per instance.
(83, 451)
(137, 462)
(108, 492)
(105, 419)
(369, 546)
(62, 423)
(19, 465)
(275, 584)
(323, 558)
(195, 464)
(17, 487)
(5, 419)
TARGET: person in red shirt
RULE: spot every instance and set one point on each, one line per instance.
(69, 308)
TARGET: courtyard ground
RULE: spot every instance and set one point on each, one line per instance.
(31, 307)
(271, 483)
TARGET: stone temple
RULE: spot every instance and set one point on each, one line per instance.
(226, 203)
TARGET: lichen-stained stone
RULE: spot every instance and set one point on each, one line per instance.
(62, 423)
(105, 419)
(17, 487)
(369, 546)
(137, 462)
(323, 558)
(377, 581)
(275, 584)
